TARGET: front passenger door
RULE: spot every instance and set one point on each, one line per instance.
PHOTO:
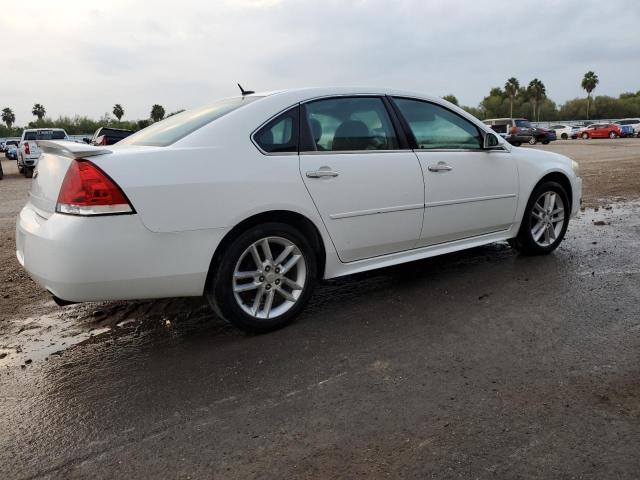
(468, 191)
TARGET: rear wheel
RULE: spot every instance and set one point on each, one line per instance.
(612, 135)
(545, 220)
(28, 171)
(264, 278)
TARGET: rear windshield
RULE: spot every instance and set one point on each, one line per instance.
(177, 126)
(45, 135)
(523, 123)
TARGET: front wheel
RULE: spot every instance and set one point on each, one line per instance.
(585, 136)
(264, 278)
(564, 136)
(545, 220)
(533, 141)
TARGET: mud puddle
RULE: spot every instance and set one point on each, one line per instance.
(37, 338)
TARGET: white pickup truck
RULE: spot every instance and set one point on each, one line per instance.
(28, 151)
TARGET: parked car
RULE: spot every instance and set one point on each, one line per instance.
(12, 152)
(633, 122)
(515, 130)
(562, 131)
(542, 135)
(28, 150)
(283, 189)
(600, 130)
(8, 144)
(576, 130)
(109, 136)
(626, 131)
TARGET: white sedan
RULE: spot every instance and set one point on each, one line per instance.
(562, 131)
(251, 200)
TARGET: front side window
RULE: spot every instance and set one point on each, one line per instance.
(280, 135)
(350, 124)
(435, 127)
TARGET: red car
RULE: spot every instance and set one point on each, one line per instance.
(601, 130)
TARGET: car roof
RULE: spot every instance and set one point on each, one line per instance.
(308, 93)
(41, 129)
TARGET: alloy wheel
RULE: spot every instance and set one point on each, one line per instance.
(548, 217)
(269, 277)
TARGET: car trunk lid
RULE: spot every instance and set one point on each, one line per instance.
(52, 167)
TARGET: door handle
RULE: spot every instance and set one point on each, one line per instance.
(323, 172)
(440, 167)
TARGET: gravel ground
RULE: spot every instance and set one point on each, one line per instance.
(480, 364)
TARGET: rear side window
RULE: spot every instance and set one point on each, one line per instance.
(30, 136)
(280, 135)
(435, 127)
(499, 128)
(349, 124)
(178, 126)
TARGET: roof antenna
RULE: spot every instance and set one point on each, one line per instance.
(245, 92)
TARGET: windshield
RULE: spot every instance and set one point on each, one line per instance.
(172, 129)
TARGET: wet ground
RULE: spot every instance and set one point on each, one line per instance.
(481, 364)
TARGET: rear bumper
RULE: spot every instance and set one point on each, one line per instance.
(112, 257)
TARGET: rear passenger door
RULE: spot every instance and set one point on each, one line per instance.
(368, 190)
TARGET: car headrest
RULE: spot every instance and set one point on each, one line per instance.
(351, 135)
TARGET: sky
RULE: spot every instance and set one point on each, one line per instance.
(82, 57)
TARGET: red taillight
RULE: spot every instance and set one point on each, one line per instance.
(514, 130)
(26, 149)
(87, 190)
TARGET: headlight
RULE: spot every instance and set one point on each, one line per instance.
(576, 167)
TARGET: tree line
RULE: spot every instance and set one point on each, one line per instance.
(79, 125)
(512, 100)
(517, 100)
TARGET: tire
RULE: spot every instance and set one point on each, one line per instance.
(1, 172)
(28, 172)
(517, 144)
(564, 136)
(525, 242)
(612, 135)
(236, 304)
(20, 169)
(585, 136)
(545, 142)
(533, 141)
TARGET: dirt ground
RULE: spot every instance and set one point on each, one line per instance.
(479, 364)
(32, 326)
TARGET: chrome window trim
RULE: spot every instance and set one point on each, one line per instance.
(352, 152)
(273, 117)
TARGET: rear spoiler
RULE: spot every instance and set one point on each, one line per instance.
(69, 149)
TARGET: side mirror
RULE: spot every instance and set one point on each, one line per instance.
(491, 142)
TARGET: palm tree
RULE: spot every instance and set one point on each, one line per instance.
(589, 83)
(157, 112)
(39, 111)
(537, 91)
(511, 89)
(451, 98)
(118, 111)
(8, 116)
